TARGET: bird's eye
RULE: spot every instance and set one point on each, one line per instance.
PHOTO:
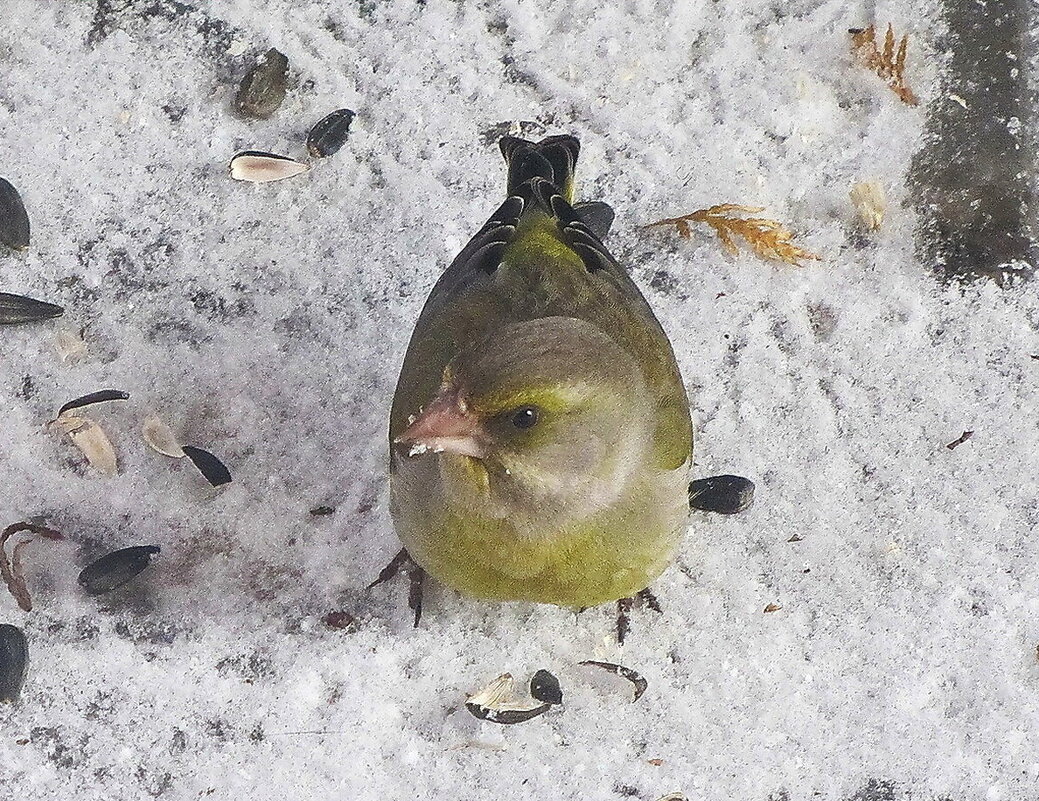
(525, 417)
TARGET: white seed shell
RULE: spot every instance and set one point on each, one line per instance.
(91, 439)
(259, 168)
(160, 438)
(870, 204)
(70, 345)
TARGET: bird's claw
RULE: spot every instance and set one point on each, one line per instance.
(416, 580)
(624, 607)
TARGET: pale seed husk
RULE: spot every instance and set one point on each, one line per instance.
(91, 439)
(256, 166)
(160, 437)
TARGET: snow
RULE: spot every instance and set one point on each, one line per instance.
(267, 323)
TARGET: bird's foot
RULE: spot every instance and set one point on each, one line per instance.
(416, 580)
(624, 607)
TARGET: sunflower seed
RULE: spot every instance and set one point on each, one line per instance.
(115, 569)
(208, 465)
(495, 703)
(726, 495)
(330, 134)
(263, 88)
(258, 167)
(14, 222)
(639, 684)
(91, 439)
(100, 396)
(160, 438)
(19, 309)
(544, 687)
(14, 658)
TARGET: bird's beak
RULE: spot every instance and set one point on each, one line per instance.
(445, 425)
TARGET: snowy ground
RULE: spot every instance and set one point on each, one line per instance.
(267, 325)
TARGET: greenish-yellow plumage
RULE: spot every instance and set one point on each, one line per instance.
(540, 434)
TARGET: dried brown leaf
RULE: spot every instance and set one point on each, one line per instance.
(888, 63)
(768, 238)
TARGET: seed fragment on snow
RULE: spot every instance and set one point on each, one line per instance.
(92, 440)
(15, 309)
(70, 345)
(639, 684)
(725, 495)
(208, 465)
(101, 396)
(870, 204)
(14, 221)
(14, 659)
(497, 703)
(263, 88)
(545, 687)
(330, 133)
(115, 569)
(258, 167)
(160, 438)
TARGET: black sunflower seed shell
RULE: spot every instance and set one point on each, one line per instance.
(724, 495)
(545, 687)
(14, 659)
(115, 569)
(14, 221)
(507, 717)
(208, 465)
(16, 309)
(638, 683)
(100, 396)
(330, 133)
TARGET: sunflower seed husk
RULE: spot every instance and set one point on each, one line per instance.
(115, 569)
(725, 495)
(14, 659)
(208, 465)
(258, 167)
(20, 309)
(70, 345)
(495, 703)
(101, 396)
(330, 134)
(545, 687)
(639, 684)
(263, 88)
(870, 204)
(91, 439)
(14, 222)
(160, 437)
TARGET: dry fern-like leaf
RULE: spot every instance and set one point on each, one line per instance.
(768, 238)
(888, 63)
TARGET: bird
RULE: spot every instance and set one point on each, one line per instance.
(540, 433)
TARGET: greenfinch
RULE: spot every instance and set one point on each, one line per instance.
(540, 435)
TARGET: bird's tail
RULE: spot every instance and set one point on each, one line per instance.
(553, 159)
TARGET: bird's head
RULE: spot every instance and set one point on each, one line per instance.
(544, 422)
